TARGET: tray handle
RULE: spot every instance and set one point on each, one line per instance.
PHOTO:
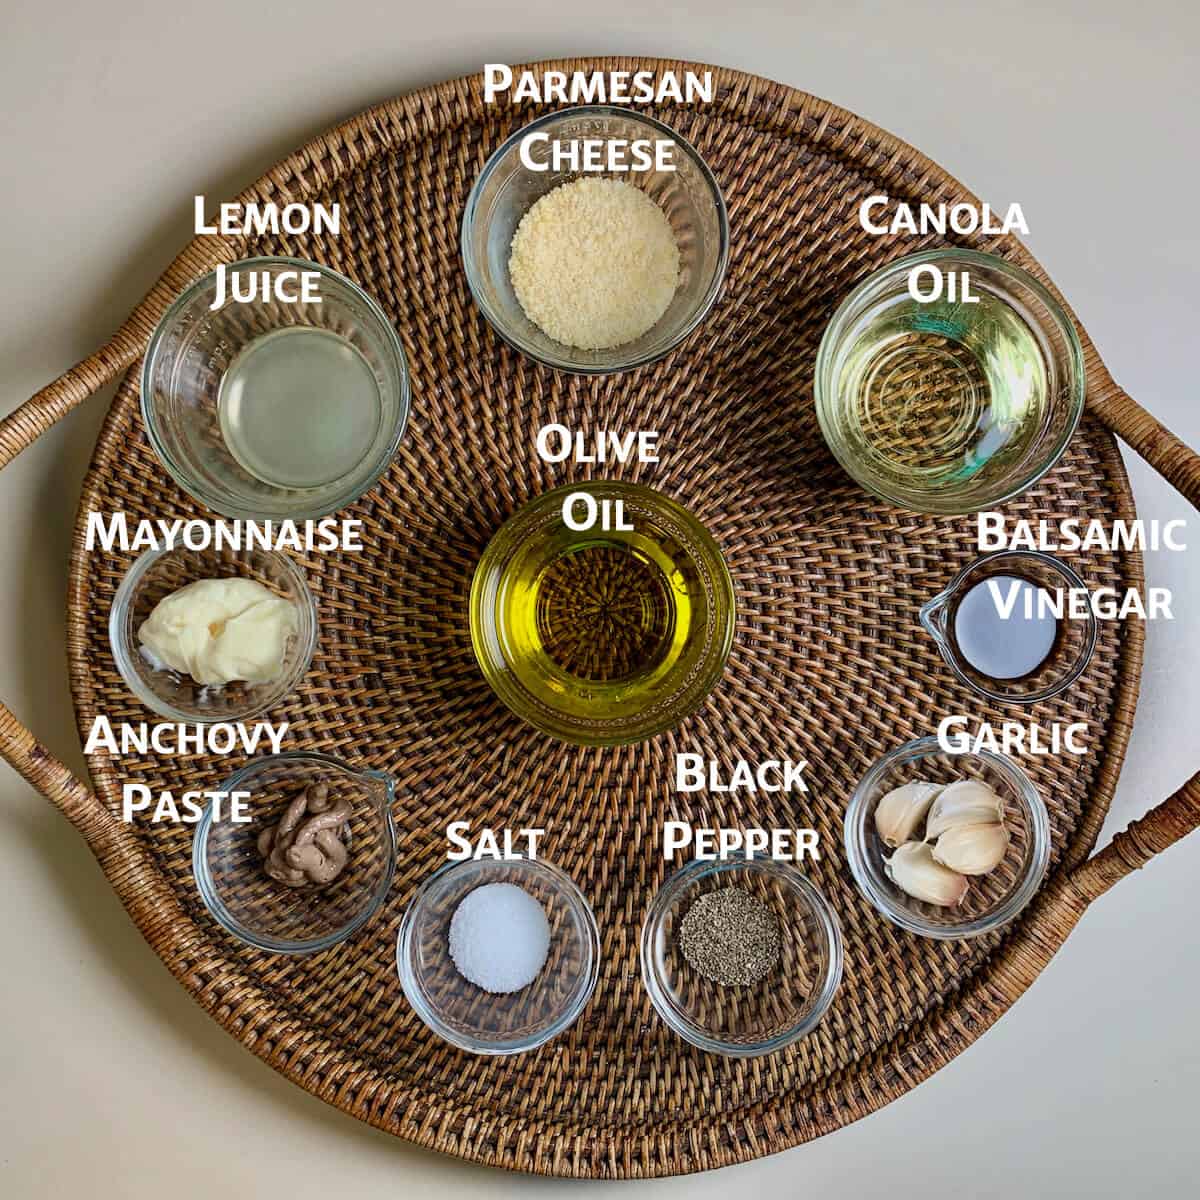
(1179, 814)
(26, 755)
(18, 431)
(24, 425)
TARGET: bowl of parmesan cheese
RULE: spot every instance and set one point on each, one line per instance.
(595, 240)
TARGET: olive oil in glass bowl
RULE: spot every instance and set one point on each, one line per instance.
(602, 636)
(949, 406)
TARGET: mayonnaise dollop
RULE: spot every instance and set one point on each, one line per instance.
(219, 630)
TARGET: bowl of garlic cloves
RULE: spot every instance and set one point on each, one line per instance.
(947, 845)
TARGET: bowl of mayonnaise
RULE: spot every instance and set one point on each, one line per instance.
(213, 635)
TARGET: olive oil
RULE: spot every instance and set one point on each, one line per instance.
(934, 394)
(601, 619)
(606, 634)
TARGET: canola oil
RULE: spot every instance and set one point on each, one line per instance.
(934, 394)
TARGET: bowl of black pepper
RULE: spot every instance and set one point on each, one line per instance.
(741, 956)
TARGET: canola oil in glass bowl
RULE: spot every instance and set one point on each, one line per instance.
(605, 635)
(937, 393)
(949, 406)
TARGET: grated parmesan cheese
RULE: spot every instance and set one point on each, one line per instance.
(594, 263)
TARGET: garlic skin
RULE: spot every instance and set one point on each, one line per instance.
(972, 849)
(914, 871)
(899, 813)
(967, 802)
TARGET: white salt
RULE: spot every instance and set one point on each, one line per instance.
(1002, 630)
(499, 937)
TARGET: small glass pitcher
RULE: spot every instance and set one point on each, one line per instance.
(266, 913)
(1073, 644)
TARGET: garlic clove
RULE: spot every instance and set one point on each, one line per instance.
(900, 812)
(972, 849)
(968, 802)
(913, 870)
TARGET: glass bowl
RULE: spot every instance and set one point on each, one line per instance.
(492, 1023)
(744, 1021)
(269, 915)
(1074, 643)
(193, 347)
(602, 638)
(506, 189)
(992, 900)
(156, 575)
(934, 407)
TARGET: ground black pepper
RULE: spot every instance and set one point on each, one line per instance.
(730, 937)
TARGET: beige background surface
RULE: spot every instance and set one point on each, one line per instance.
(112, 1082)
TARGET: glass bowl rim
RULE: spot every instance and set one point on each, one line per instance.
(212, 898)
(123, 597)
(799, 883)
(1058, 315)
(560, 362)
(199, 490)
(588, 977)
(867, 878)
(504, 541)
(1077, 668)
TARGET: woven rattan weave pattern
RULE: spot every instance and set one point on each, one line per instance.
(828, 662)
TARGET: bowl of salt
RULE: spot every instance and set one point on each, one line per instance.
(498, 957)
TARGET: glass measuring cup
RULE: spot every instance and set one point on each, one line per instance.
(260, 910)
(1069, 654)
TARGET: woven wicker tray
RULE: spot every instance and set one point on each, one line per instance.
(828, 663)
